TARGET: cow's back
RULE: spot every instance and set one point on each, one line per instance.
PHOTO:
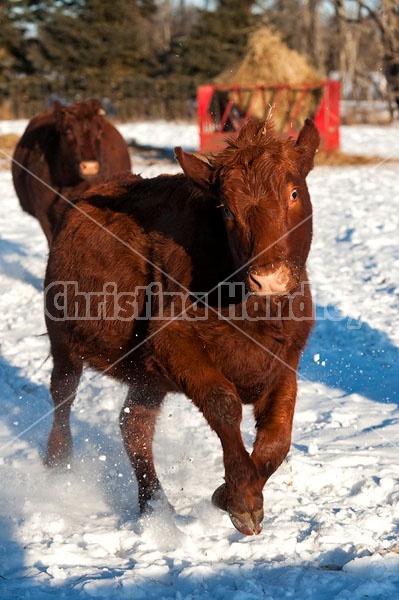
(183, 227)
(132, 233)
(31, 168)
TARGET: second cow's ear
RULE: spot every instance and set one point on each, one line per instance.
(97, 107)
(199, 171)
(58, 111)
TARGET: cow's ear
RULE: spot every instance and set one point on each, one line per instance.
(97, 107)
(308, 142)
(58, 112)
(199, 171)
(57, 106)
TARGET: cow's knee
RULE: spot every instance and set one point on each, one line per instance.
(223, 408)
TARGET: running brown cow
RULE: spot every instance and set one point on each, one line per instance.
(62, 153)
(125, 287)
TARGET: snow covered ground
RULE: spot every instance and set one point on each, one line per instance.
(331, 511)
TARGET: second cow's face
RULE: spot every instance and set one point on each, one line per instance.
(80, 139)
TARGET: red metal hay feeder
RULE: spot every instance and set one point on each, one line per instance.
(219, 116)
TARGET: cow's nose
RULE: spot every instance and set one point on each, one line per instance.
(271, 279)
(88, 168)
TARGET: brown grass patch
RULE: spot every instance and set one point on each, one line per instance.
(8, 142)
(337, 158)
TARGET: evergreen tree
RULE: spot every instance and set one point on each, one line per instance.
(17, 26)
(96, 44)
(218, 39)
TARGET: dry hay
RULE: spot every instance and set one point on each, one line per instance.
(268, 61)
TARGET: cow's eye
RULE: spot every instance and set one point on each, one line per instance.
(294, 196)
(227, 212)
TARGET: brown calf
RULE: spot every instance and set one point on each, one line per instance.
(125, 289)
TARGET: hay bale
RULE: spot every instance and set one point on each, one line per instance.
(269, 61)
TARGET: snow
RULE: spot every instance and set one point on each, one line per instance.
(331, 510)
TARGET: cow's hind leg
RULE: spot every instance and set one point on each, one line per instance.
(64, 383)
(137, 421)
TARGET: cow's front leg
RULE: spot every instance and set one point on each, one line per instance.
(274, 415)
(181, 357)
(241, 494)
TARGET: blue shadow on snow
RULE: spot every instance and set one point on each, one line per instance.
(13, 267)
(347, 354)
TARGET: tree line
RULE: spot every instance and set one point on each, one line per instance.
(145, 58)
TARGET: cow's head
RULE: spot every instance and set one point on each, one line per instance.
(259, 184)
(80, 127)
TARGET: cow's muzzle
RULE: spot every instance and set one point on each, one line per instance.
(271, 279)
(89, 168)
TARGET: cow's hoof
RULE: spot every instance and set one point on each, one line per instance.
(56, 464)
(157, 502)
(59, 450)
(248, 523)
(219, 497)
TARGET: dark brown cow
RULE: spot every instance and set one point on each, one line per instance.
(123, 295)
(62, 153)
